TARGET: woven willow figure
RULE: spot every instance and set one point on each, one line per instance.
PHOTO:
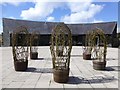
(100, 44)
(61, 45)
(34, 41)
(88, 46)
(100, 49)
(20, 42)
(88, 41)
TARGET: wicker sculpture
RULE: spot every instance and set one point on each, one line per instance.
(88, 47)
(61, 45)
(99, 50)
(34, 40)
(20, 42)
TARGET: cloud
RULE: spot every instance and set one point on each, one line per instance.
(40, 11)
(78, 6)
(12, 17)
(82, 12)
(97, 21)
(50, 19)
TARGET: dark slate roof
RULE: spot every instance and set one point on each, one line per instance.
(46, 27)
(107, 27)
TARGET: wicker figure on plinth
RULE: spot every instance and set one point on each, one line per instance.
(34, 40)
(99, 50)
(61, 45)
(20, 42)
(88, 47)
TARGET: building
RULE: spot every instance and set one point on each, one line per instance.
(1, 41)
(45, 28)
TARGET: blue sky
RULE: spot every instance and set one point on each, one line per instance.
(119, 16)
(68, 12)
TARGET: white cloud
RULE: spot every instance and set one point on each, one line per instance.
(78, 6)
(12, 17)
(82, 12)
(40, 11)
(50, 19)
(97, 21)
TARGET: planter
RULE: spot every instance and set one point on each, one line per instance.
(33, 55)
(99, 65)
(20, 66)
(61, 76)
(86, 56)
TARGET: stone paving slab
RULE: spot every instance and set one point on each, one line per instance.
(39, 72)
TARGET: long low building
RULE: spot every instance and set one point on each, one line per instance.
(45, 29)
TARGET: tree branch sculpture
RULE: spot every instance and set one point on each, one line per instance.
(61, 45)
(20, 42)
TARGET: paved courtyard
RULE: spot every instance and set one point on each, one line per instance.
(39, 73)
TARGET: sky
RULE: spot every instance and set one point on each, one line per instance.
(119, 17)
(67, 11)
